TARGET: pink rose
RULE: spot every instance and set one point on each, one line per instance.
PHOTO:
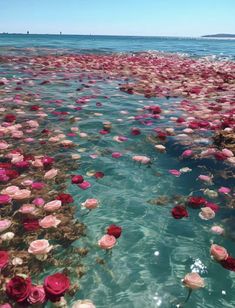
(107, 241)
(37, 295)
(49, 221)
(217, 230)
(206, 213)
(10, 190)
(21, 194)
(52, 206)
(193, 281)
(175, 172)
(141, 159)
(187, 153)
(50, 174)
(227, 153)
(38, 201)
(5, 199)
(27, 209)
(205, 178)
(224, 190)
(86, 303)
(116, 154)
(219, 253)
(5, 306)
(3, 145)
(84, 185)
(90, 204)
(39, 247)
(4, 224)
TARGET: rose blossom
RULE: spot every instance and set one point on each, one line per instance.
(206, 213)
(229, 263)
(4, 259)
(6, 306)
(21, 194)
(49, 221)
(56, 286)
(37, 295)
(107, 241)
(27, 209)
(4, 199)
(7, 236)
(217, 230)
(219, 253)
(90, 204)
(114, 230)
(10, 190)
(141, 159)
(4, 224)
(193, 281)
(39, 247)
(52, 206)
(179, 212)
(38, 201)
(18, 289)
(86, 303)
(50, 174)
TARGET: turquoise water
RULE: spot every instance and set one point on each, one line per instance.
(155, 251)
(86, 43)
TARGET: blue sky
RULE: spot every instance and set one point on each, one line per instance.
(124, 17)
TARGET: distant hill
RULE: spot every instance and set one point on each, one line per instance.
(223, 35)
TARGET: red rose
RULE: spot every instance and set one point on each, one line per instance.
(213, 206)
(229, 263)
(34, 108)
(77, 179)
(9, 118)
(56, 286)
(12, 174)
(18, 288)
(220, 156)
(99, 175)
(179, 212)
(65, 198)
(4, 259)
(196, 202)
(114, 230)
(31, 224)
(135, 131)
(47, 161)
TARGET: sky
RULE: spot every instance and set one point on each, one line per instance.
(118, 17)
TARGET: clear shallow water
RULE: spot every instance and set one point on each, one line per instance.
(86, 43)
(155, 251)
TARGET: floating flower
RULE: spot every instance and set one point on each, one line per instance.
(116, 154)
(52, 206)
(31, 225)
(77, 179)
(187, 153)
(219, 253)
(51, 174)
(114, 230)
(85, 185)
(8, 236)
(229, 263)
(90, 204)
(224, 190)
(193, 281)
(175, 172)
(4, 199)
(49, 221)
(179, 212)
(99, 175)
(196, 202)
(4, 259)
(141, 159)
(206, 213)
(217, 230)
(65, 198)
(37, 295)
(4, 224)
(39, 247)
(107, 241)
(56, 286)
(18, 289)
